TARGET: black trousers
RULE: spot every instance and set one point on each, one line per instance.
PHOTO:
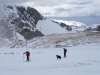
(27, 57)
(64, 54)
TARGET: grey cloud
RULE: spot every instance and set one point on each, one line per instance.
(61, 9)
(37, 2)
(12, 1)
(67, 8)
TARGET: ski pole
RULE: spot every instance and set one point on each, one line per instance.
(23, 56)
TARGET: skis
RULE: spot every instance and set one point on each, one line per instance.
(27, 61)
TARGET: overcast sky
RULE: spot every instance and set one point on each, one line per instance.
(61, 8)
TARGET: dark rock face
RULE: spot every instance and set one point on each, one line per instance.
(98, 28)
(29, 14)
(25, 24)
(66, 26)
(30, 34)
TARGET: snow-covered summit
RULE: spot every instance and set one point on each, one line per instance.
(71, 23)
(78, 26)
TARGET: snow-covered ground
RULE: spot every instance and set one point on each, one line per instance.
(81, 60)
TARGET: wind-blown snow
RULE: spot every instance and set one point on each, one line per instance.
(81, 60)
(48, 27)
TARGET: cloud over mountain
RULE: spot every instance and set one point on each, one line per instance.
(59, 8)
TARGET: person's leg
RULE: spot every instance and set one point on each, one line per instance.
(64, 55)
(27, 57)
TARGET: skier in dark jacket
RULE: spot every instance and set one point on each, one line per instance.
(65, 50)
(27, 54)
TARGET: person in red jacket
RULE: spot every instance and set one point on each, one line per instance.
(27, 54)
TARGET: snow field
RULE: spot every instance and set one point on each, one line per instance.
(81, 60)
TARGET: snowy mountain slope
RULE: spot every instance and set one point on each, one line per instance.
(76, 26)
(47, 27)
(20, 20)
